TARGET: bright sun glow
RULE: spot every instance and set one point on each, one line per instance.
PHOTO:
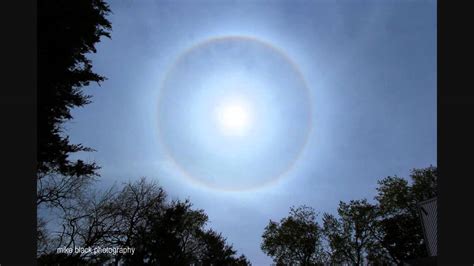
(233, 118)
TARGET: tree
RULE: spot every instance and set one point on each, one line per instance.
(134, 205)
(169, 237)
(400, 228)
(175, 235)
(350, 236)
(139, 216)
(216, 251)
(295, 240)
(86, 222)
(67, 32)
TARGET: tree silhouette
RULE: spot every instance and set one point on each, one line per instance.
(138, 215)
(176, 236)
(295, 240)
(215, 250)
(400, 225)
(350, 236)
(134, 205)
(67, 32)
(384, 233)
(170, 237)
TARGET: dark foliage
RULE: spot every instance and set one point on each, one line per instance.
(61, 259)
(67, 32)
(400, 225)
(176, 236)
(138, 216)
(170, 237)
(387, 232)
(295, 240)
(351, 236)
(216, 251)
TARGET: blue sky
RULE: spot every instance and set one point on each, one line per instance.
(370, 67)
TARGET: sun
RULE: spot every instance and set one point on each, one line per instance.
(233, 117)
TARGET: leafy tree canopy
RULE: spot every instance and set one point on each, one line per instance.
(399, 221)
(350, 236)
(295, 240)
(385, 232)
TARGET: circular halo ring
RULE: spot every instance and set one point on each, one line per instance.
(270, 181)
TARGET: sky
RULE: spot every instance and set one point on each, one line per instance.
(333, 96)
